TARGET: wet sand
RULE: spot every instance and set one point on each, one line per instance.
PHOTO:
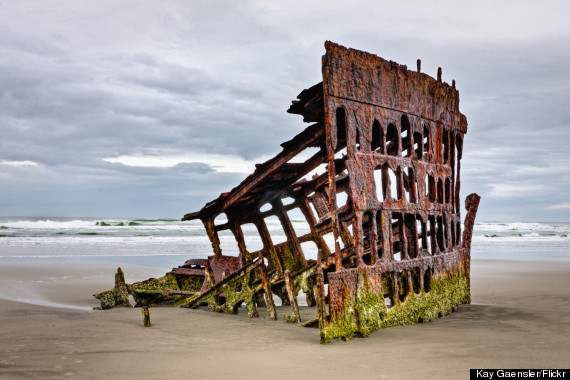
(519, 318)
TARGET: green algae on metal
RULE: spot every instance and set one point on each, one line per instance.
(445, 295)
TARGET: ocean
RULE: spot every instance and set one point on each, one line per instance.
(167, 243)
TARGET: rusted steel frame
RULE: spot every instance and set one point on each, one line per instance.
(345, 218)
(222, 227)
(284, 247)
(212, 235)
(224, 265)
(352, 286)
(382, 119)
(452, 160)
(319, 291)
(358, 238)
(287, 257)
(309, 104)
(331, 142)
(439, 263)
(317, 238)
(399, 184)
(312, 163)
(422, 234)
(187, 271)
(195, 262)
(273, 260)
(458, 228)
(372, 215)
(384, 122)
(471, 205)
(268, 295)
(212, 294)
(422, 168)
(146, 316)
(235, 227)
(291, 179)
(293, 205)
(291, 170)
(438, 143)
(439, 165)
(403, 238)
(348, 255)
(295, 317)
(302, 280)
(441, 233)
(292, 239)
(447, 229)
(459, 144)
(320, 202)
(406, 219)
(321, 182)
(385, 221)
(344, 232)
(442, 98)
(402, 266)
(411, 233)
(307, 237)
(210, 280)
(191, 216)
(305, 280)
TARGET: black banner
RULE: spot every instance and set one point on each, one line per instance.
(494, 374)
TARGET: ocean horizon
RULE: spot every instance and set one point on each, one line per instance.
(165, 242)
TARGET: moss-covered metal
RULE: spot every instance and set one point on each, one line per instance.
(146, 316)
(150, 292)
(118, 296)
(235, 290)
(365, 311)
(147, 293)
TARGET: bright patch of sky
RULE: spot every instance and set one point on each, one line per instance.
(18, 163)
(560, 206)
(218, 162)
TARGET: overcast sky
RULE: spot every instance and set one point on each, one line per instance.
(150, 109)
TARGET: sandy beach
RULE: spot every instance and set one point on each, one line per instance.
(519, 318)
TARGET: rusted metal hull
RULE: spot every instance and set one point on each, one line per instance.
(382, 178)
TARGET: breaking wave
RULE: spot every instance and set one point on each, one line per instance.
(96, 237)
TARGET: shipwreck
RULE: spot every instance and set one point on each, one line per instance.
(388, 143)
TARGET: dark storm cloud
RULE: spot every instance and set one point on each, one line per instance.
(82, 84)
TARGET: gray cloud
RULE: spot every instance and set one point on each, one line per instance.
(82, 83)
